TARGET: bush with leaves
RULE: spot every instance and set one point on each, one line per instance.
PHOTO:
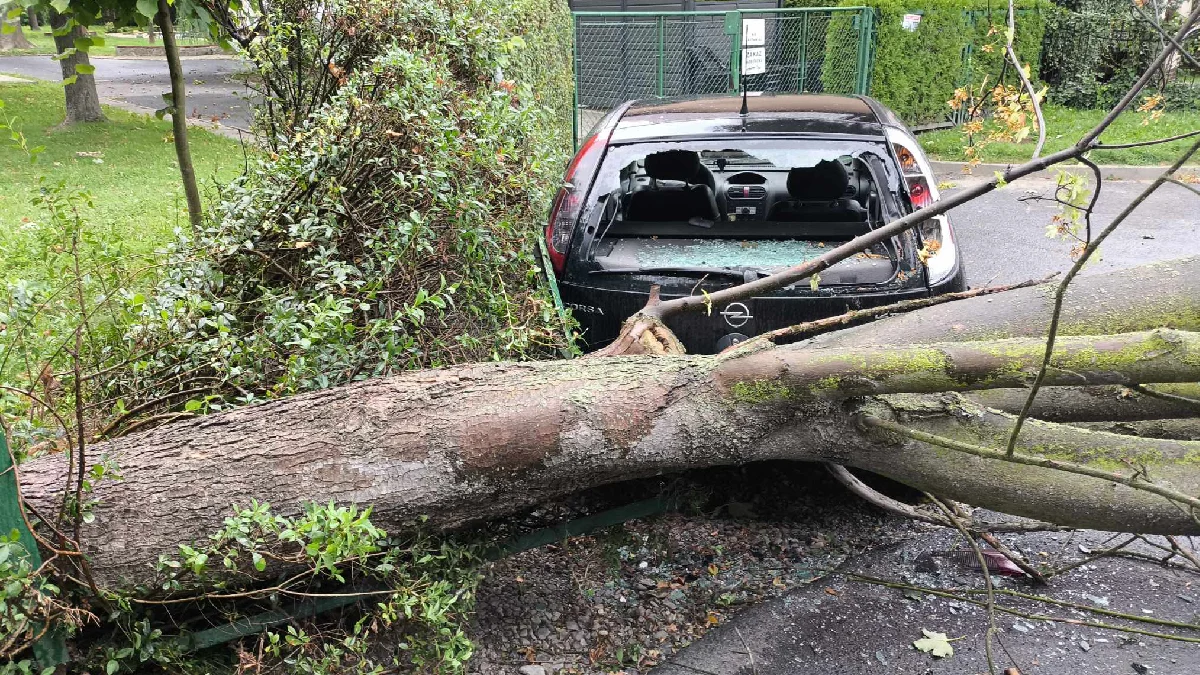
(396, 228)
(916, 71)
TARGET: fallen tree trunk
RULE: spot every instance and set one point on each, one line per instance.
(472, 443)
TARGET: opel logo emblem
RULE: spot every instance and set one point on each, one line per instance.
(736, 314)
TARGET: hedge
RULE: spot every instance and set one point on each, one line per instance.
(915, 73)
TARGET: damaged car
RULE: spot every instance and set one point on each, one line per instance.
(699, 195)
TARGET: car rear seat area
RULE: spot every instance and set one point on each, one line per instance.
(680, 188)
(818, 194)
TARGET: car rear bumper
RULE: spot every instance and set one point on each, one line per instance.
(601, 311)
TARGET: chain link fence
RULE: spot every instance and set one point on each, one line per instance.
(621, 56)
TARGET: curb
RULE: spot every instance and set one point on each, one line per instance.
(235, 133)
(1110, 171)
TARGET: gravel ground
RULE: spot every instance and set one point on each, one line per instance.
(777, 546)
(629, 597)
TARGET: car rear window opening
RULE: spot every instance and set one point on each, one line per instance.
(753, 203)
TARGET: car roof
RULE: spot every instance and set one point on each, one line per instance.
(815, 114)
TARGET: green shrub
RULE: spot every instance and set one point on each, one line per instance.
(915, 73)
(395, 228)
(1095, 49)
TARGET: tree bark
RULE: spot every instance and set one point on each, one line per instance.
(82, 101)
(472, 443)
(179, 116)
(34, 22)
(15, 39)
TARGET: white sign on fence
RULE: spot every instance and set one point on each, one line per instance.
(754, 32)
(754, 60)
(910, 22)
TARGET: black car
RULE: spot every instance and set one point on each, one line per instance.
(695, 196)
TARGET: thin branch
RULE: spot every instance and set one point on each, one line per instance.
(1025, 83)
(1013, 557)
(882, 501)
(1024, 615)
(1061, 293)
(1142, 144)
(1134, 481)
(1096, 555)
(1184, 185)
(987, 577)
(872, 312)
(1167, 36)
(1164, 396)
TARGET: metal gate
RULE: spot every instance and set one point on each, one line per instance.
(627, 55)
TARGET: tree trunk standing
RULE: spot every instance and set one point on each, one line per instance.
(471, 443)
(35, 23)
(16, 39)
(179, 116)
(83, 103)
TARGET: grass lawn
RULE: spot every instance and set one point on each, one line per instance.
(134, 180)
(1065, 126)
(44, 44)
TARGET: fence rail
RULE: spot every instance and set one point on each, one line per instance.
(630, 55)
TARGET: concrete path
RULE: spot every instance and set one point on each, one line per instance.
(842, 624)
(214, 95)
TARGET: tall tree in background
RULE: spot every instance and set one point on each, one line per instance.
(71, 40)
(11, 36)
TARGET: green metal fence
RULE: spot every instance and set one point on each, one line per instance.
(629, 55)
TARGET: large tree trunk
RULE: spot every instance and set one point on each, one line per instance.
(35, 24)
(15, 39)
(471, 443)
(83, 103)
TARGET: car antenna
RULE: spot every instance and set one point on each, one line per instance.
(745, 108)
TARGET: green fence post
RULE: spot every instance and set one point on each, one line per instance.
(865, 29)
(661, 56)
(802, 76)
(51, 650)
(733, 28)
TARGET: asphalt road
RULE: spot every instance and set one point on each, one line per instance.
(1003, 234)
(213, 94)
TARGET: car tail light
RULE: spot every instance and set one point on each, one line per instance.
(569, 201)
(938, 253)
(918, 191)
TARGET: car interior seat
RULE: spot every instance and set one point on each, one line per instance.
(680, 188)
(818, 194)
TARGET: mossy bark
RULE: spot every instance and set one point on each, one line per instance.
(478, 442)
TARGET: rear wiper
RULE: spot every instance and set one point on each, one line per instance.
(744, 275)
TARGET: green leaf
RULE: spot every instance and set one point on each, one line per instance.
(147, 8)
(62, 7)
(936, 644)
(85, 69)
(1000, 182)
(813, 281)
(16, 11)
(69, 80)
(112, 666)
(7, 29)
(260, 563)
(193, 405)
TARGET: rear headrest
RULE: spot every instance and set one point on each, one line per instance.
(825, 181)
(681, 165)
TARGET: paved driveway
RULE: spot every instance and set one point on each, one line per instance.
(1004, 240)
(213, 94)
